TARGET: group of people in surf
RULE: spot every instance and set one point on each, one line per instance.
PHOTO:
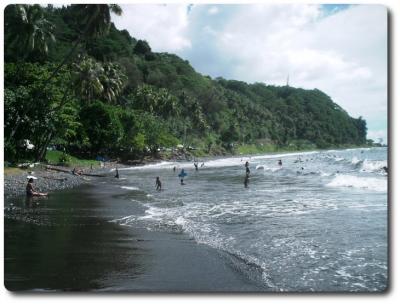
(30, 191)
(181, 175)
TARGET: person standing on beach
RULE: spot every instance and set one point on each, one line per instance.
(30, 191)
(158, 183)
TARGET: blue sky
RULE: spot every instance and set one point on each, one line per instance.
(340, 49)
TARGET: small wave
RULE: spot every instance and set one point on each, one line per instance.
(129, 188)
(323, 174)
(373, 165)
(207, 234)
(282, 155)
(273, 169)
(160, 165)
(124, 221)
(355, 160)
(370, 183)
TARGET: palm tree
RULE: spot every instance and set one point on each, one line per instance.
(87, 79)
(94, 80)
(97, 17)
(113, 81)
(27, 29)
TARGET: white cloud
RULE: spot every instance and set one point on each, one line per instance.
(163, 26)
(213, 10)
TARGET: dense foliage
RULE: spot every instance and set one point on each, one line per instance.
(91, 89)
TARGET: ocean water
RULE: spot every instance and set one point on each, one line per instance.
(316, 223)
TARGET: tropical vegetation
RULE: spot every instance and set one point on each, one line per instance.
(75, 83)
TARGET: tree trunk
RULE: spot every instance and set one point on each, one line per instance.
(66, 58)
(43, 149)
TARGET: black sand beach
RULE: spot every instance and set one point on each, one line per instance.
(67, 242)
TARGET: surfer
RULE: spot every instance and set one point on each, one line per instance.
(117, 173)
(202, 165)
(196, 166)
(158, 183)
(280, 162)
(174, 168)
(386, 169)
(30, 191)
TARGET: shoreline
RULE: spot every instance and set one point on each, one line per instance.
(50, 181)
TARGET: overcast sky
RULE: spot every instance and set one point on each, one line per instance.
(339, 49)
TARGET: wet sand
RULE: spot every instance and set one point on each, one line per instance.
(67, 242)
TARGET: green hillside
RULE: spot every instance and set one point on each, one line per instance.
(95, 90)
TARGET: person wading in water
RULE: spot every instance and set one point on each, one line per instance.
(158, 183)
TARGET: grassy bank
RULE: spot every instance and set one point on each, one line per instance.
(64, 159)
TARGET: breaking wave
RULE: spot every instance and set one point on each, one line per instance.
(351, 181)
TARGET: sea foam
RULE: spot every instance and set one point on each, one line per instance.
(129, 188)
(373, 165)
(370, 183)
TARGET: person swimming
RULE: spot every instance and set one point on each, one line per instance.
(280, 162)
(158, 183)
